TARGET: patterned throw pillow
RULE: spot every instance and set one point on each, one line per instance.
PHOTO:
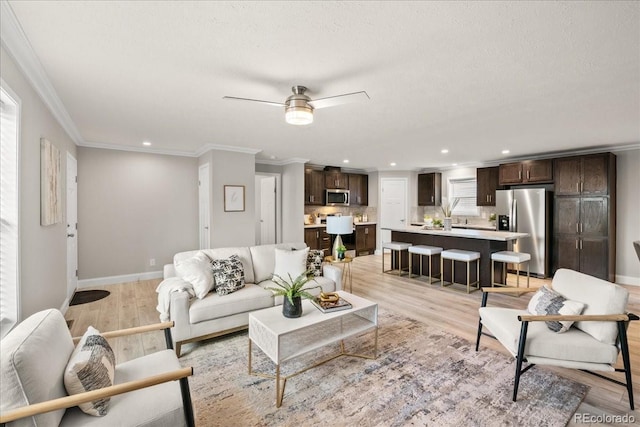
(91, 367)
(228, 274)
(547, 301)
(314, 261)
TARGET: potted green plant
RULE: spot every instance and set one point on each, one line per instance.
(341, 250)
(293, 290)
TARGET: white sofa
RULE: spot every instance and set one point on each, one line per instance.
(197, 319)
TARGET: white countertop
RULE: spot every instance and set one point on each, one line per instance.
(467, 226)
(504, 236)
(324, 225)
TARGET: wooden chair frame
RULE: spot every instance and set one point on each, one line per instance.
(622, 321)
(88, 396)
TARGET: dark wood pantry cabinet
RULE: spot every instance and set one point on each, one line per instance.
(430, 189)
(486, 186)
(358, 189)
(526, 172)
(585, 214)
(313, 187)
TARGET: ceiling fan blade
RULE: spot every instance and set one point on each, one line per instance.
(275, 104)
(346, 98)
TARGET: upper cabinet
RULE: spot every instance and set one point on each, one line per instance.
(313, 187)
(527, 172)
(430, 189)
(584, 175)
(358, 189)
(336, 180)
(487, 184)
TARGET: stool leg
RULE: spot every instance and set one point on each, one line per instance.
(383, 260)
(528, 262)
(430, 277)
(493, 273)
(410, 266)
(478, 273)
(468, 279)
(518, 275)
(441, 272)
(420, 272)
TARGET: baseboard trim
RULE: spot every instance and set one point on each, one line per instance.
(65, 305)
(627, 280)
(114, 280)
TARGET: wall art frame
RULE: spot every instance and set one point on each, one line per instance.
(234, 198)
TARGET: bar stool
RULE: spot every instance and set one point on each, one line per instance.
(422, 250)
(505, 257)
(395, 247)
(464, 256)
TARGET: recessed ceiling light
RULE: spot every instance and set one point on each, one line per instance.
(444, 151)
(392, 164)
(345, 161)
(454, 164)
(272, 157)
(505, 151)
(146, 143)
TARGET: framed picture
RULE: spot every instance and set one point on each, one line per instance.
(234, 198)
(50, 184)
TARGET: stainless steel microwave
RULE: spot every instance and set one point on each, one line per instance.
(337, 198)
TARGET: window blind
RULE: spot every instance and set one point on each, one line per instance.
(465, 191)
(9, 274)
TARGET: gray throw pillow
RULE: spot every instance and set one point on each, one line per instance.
(228, 275)
(547, 301)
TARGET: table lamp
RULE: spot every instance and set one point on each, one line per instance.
(339, 225)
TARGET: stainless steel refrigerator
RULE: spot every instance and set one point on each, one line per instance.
(528, 210)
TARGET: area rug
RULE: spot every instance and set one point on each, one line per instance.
(423, 376)
(83, 297)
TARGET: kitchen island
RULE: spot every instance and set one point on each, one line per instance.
(483, 241)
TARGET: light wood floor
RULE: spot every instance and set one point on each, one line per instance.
(133, 304)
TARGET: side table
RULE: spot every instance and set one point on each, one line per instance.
(346, 269)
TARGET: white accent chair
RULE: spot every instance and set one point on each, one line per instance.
(33, 360)
(593, 342)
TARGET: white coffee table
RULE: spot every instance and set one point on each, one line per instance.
(283, 339)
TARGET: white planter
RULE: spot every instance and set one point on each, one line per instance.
(447, 224)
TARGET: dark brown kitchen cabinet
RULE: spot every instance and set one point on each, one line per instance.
(333, 180)
(317, 238)
(487, 184)
(584, 215)
(358, 189)
(313, 187)
(584, 175)
(527, 172)
(430, 189)
(365, 239)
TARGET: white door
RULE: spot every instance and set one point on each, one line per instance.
(203, 202)
(268, 210)
(393, 205)
(72, 225)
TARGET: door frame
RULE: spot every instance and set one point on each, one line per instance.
(278, 218)
(204, 199)
(72, 229)
(381, 199)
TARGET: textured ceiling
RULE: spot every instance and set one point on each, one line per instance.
(473, 77)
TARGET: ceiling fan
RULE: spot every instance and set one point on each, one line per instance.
(299, 107)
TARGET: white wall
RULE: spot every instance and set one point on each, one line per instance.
(293, 202)
(43, 250)
(134, 207)
(231, 168)
(628, 217)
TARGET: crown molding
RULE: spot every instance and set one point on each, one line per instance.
(282, 162)
(15, 41)
(146, 150)
(209, 147)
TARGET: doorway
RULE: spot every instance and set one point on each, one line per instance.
(204, 206)
(267, 209)
(72, 225)
(393, 205)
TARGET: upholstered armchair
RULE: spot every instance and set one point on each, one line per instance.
(589, 340)
(151, 390)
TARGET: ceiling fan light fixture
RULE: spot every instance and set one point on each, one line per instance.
(299, 115)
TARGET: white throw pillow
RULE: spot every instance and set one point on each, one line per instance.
(292, 263)
(91, 367)
(547, 301)
(197, 271)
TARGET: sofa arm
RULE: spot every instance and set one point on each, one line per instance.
(334, 273)
(169, 270)
(179, 309)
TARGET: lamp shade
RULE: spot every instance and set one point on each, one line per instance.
(339, 224)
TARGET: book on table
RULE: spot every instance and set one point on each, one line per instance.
(331, 306)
